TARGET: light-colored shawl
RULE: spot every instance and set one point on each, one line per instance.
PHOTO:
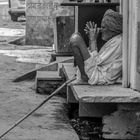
(105, 67)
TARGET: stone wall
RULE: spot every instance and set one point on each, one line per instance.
(40, 15)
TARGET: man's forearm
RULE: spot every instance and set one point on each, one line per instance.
(93, 45)
(92, 41)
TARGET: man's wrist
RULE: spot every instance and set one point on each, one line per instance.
(93, 45)
(93, 41)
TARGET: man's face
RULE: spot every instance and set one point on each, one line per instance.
(106, 33)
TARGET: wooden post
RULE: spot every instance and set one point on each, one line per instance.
(9, 3)
(134, 44)
(125, 43)
(76, 18)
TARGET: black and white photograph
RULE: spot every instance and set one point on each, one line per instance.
(69, 69)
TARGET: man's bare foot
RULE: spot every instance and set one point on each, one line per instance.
(84, 78)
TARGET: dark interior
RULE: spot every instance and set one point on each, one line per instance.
(92, 12)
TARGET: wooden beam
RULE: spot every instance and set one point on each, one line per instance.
(126, 38)
(89, 4)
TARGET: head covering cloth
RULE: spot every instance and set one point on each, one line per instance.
(113, 21)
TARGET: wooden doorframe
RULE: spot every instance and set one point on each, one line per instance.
(133, 44)
(126, 24)
(9, 3)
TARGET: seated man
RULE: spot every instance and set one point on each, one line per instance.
(105, 66)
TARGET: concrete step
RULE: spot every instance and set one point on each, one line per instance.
(53, 66)
(100, 93)
(60, 58)
(103, 99)
(47, 78)
(48, 75)
(68, 70)
(119, 107)
(47, 81)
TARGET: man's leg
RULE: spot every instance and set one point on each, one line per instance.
(80, 53)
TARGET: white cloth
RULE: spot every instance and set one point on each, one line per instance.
(78, 74)
(105, 67)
